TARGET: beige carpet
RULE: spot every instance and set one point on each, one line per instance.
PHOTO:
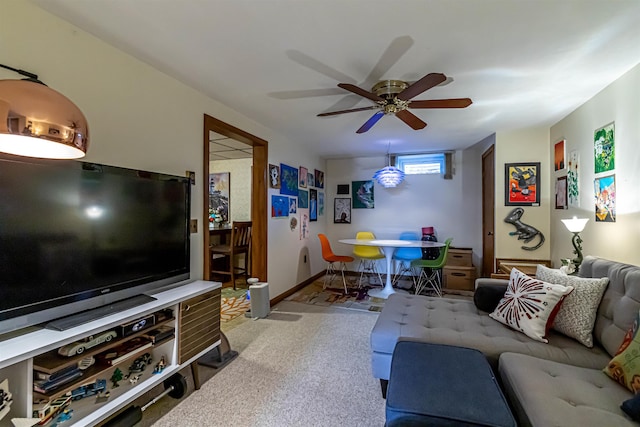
(304, 365)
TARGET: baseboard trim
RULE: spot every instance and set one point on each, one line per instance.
(296, 288)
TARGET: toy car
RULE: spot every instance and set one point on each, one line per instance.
(91, 341)
(140, 363)
(87, 390)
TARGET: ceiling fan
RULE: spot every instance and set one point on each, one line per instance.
(394, 97)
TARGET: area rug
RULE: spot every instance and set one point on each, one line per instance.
(233, 303)
(355, 299)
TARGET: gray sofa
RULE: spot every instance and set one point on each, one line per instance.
(556, 384)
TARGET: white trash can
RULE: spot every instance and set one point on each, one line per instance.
(259, 297)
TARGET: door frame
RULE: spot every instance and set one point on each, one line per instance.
(488, 213)
(258, 195)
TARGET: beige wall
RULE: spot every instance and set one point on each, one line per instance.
(612, 240)
(240, 183)
(525, 145)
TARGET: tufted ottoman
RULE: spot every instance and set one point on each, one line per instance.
(441, 385)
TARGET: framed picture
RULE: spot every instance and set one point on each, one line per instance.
(219, 191)
(342, 210)
(605, 194)
(343, 189)
(274, 176)
(362, 194)
(559, 155)
(313, 204)
(303, 199)
(293, 205)
(303, 176)
(573, 189)
(310, 180)
(320, 203)
(279, 206)
(561, 192)
(288, 180)
(604, 148)
(522, 184)
(319, 175)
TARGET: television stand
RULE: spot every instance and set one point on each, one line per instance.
(68, 322)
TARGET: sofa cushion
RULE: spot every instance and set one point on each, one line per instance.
(529, 305)
(547, 393)
(625, 366)
(577, 314)
(631, 407)
(459, 322)
(487, 296)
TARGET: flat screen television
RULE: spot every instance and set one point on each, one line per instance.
(77, 235)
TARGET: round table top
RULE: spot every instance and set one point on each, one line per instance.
(393, 243)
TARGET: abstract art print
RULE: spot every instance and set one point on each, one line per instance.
(279, 206)
(604, 148)
(605, 198)
(313, 204)
(561, 192)
(304, 224)
(573, 191)
(362, 194)
(311, 182)
(320, 203)
(522, 184)
(303, 199)
(219, 191)
(342, 210)
(302, 176)
(319, 175)
(288, 180)
(559, 155)
(274, 176)
(293, 205)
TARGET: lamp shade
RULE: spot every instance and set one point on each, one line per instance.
(389, 176)
(37, 121)
(575, 225)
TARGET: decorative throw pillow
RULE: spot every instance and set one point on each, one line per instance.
(631, 407)
(625, 365)
(529, 305)
(577, 315)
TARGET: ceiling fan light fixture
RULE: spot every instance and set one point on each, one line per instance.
(36, 121)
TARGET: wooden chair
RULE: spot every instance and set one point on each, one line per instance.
(240, 243)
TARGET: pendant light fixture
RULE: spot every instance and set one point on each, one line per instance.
(389, 176)
(37, 121)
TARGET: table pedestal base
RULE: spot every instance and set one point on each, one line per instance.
(384, 292)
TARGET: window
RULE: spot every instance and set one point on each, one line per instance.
(416, 164)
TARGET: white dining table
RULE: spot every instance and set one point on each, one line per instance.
(388, 248)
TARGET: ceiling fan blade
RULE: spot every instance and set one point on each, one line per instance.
(334, 113)
(372, 121)
(441, 103)
(359, 91)
(425, 83)
(411, 119)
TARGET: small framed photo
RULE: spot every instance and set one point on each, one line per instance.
(343, 189)
(274, 176)
(522, 184)
(319, 178)
(303, 175)
(342, 210)
(559, 154)
(561, 192)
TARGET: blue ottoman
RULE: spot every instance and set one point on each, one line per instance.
(441, 385)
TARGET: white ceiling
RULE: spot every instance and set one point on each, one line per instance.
(522, 62)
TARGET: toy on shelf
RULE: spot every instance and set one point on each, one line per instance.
(91, 341)
(5, 398)
(89, 389)
(116, 378)
(160, 365)
(134, 379)
(64, 416)
(48, 409)
(140, 363)
(86, 362)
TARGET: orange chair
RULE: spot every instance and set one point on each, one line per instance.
(331, 258)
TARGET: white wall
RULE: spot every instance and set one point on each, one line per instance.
(240, 186)
(141, 118)
(452, 206)
(618, 240)
(525, 145)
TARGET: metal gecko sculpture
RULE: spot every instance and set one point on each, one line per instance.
(523, 231)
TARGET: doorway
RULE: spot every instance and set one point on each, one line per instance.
(488, 212)
(258, 194)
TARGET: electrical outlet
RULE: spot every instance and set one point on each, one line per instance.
(193, 226)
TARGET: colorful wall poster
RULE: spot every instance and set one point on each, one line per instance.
(604, 148)
(362, 193)
(605, 197)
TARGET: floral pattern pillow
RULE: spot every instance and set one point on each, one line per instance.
(529, 305)
(625, 365)
(577, 315)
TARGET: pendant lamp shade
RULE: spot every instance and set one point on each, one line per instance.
(389, 176)
(37, 121)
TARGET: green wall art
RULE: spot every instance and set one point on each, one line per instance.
(604, 148)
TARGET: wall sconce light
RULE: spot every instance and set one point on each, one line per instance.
(576, 225)
(37, 121)
(389, 176)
